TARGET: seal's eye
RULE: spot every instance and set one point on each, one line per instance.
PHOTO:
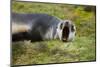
(72, 28)
(61, 26)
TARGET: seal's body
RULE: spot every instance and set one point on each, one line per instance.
(38, 27)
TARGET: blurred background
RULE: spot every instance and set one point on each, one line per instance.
(83, 48)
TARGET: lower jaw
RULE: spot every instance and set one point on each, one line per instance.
(64, 40)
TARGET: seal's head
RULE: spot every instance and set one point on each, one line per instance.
(66, 30)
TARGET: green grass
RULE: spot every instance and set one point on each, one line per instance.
(55, 51)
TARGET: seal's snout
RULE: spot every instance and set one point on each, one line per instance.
(68, 31)
(66, 23)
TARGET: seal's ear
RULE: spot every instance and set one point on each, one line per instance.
(61, 26)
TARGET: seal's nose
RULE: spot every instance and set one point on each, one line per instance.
(66, 23)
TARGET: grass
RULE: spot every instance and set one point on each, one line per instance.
(55, 51)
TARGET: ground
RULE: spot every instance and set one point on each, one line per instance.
(83, 48)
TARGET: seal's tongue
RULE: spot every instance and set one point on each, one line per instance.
(65, 33)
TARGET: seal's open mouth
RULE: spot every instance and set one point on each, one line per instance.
(65, 33)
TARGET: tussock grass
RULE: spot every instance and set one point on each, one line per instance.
(56, 51)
